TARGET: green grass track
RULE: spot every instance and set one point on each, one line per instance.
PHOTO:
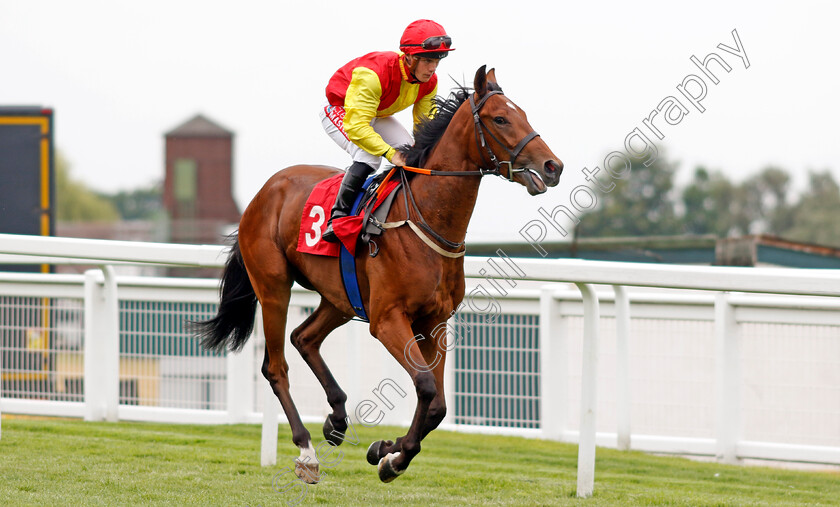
(71, 462)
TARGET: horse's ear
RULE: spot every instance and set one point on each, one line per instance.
(480, 83)
(491, 76)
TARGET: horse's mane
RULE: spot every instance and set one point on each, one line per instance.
(429, 132)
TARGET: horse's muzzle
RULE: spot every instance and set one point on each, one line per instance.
(552, 169)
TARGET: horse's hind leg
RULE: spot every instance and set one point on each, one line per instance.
(307, 339)
(275, 304)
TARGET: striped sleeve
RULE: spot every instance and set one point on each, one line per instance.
(362, 100)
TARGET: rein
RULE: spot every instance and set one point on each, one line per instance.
(481, 142)
(421, 225)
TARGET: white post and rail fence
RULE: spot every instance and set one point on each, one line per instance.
(728, 362)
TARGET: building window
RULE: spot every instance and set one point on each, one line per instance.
(186, 171)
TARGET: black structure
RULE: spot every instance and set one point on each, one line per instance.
(27, 174)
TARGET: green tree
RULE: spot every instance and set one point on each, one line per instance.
(75, 202)
(715, 205)
(641, 205)
(708, 203)
(762, 203)
(140, 203)
(814, 218)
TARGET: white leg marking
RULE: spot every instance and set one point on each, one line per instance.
(308, 455)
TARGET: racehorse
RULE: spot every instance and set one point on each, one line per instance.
(408, 288)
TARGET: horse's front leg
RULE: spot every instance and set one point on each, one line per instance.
(434, 345)
(394, 331)
(431, 339)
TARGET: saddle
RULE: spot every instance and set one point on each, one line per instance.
(367, 220)
(368, 213)
(374, 205)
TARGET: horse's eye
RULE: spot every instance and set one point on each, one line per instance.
(499, 120)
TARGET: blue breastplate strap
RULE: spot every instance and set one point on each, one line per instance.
(348, 267)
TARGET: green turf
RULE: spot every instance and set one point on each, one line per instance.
(70, 462)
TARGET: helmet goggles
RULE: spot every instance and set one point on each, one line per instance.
(434, 42)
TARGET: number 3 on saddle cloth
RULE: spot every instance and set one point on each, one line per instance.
(313, 223)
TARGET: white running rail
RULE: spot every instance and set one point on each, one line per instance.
(101, 293)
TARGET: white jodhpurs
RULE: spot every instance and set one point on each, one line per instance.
(392, 132)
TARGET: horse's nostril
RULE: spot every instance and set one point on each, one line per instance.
(551, 166)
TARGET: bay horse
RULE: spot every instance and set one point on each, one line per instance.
(408, 288)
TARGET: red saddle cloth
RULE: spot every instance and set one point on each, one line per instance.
(316, 213)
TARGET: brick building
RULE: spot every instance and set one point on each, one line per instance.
(197, 189)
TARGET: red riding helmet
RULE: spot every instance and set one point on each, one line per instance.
(427, 38)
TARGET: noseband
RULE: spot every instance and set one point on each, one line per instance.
(480, 127)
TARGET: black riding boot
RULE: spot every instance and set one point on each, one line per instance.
(350, 185)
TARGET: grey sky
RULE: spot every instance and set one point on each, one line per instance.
(120, 74)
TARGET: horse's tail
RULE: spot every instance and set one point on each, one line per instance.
(233, 323)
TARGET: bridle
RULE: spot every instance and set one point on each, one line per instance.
(480, 127)
(496, 170)
(483, 147)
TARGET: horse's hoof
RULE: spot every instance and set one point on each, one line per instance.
(373, 453)
(387, 472)
(374, 450)
(331, 434)
(307, 472)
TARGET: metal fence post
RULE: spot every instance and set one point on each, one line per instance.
(1, 398)
(94, 350)
(240, 381)
(355, 363)
(589, 391)
(727, 380)
(622, 361)
(270, 407)
(449, 374)
(102, 345)
(554, 366)
(271, 411)
(111, 344)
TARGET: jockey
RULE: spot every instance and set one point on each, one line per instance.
(363, 95)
